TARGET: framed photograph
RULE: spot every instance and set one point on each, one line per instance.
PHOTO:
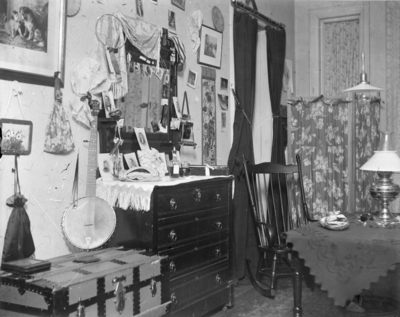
(187, 132)
(210, 47)
(142, 139)
(16, 137)
(131, 160)
(179, 3)
(224, 83)
(192, 79)
(32, 52)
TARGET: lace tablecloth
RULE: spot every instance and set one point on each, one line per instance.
(137, 195)
(346, 262)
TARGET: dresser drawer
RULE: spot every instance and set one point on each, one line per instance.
(193, 287)
(193, 256)
(192, 198)
(195, 225)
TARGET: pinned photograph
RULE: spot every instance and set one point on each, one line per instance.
(131, 160)
(223, 101)
(142, 139)
(139, 7)
(171, 20)
(192, 79)
(224, 83)
(106, 166)
(177, 107)
(179, 3)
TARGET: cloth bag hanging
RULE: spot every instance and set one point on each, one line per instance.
(18, 241)
(58, 139)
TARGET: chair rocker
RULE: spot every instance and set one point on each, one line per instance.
(278, 205)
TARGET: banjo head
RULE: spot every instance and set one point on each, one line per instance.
(88, 223)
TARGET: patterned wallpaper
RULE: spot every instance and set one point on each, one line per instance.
(393, 80)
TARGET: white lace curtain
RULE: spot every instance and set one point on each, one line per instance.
(341, 65)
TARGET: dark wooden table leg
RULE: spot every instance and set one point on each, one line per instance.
(297, 286)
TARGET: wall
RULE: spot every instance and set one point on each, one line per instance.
(46, 179)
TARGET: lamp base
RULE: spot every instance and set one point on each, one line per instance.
(384, 191)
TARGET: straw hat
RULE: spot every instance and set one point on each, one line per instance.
(73, 7)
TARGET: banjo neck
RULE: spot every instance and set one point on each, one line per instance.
(92, 158)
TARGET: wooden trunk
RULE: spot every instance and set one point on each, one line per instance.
(120, 283)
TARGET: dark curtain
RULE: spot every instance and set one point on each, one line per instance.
(276, 47)
(245, 41)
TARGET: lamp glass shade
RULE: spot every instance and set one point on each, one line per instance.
(383, 161)
(363, 86)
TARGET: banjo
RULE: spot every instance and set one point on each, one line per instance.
(89, 222)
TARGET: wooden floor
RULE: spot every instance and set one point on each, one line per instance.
(249, 303)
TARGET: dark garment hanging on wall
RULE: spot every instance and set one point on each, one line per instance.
(245, 42)
(276, 48)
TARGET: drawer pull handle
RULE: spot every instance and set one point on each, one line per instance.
(197, 195)
(173, 236)
(217, 252)
(218, 279)
(153, 287)
(174, 299)
(172, 267)
(173, 204)
(218, 198)
(218, 225)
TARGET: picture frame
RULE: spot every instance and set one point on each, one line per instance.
(34, 59)
(210, 51)
(192, 79)
(179, 3)
(16, 138)
(131, 160)
(106, 166)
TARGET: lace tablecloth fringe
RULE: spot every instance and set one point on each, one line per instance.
(123, 196)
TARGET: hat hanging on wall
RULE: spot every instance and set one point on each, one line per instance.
(73, 7)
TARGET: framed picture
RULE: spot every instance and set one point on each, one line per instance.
(179, 3)
(210, 47)
(192, 79)
(16, 137)
(224, 83)
(32, 53)
(131, 160)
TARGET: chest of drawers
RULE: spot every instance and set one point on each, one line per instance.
(191, 223)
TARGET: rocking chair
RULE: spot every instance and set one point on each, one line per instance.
(278, 204)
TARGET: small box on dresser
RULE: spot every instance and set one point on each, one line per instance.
(119, 283)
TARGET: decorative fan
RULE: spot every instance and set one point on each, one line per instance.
(218, 19)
